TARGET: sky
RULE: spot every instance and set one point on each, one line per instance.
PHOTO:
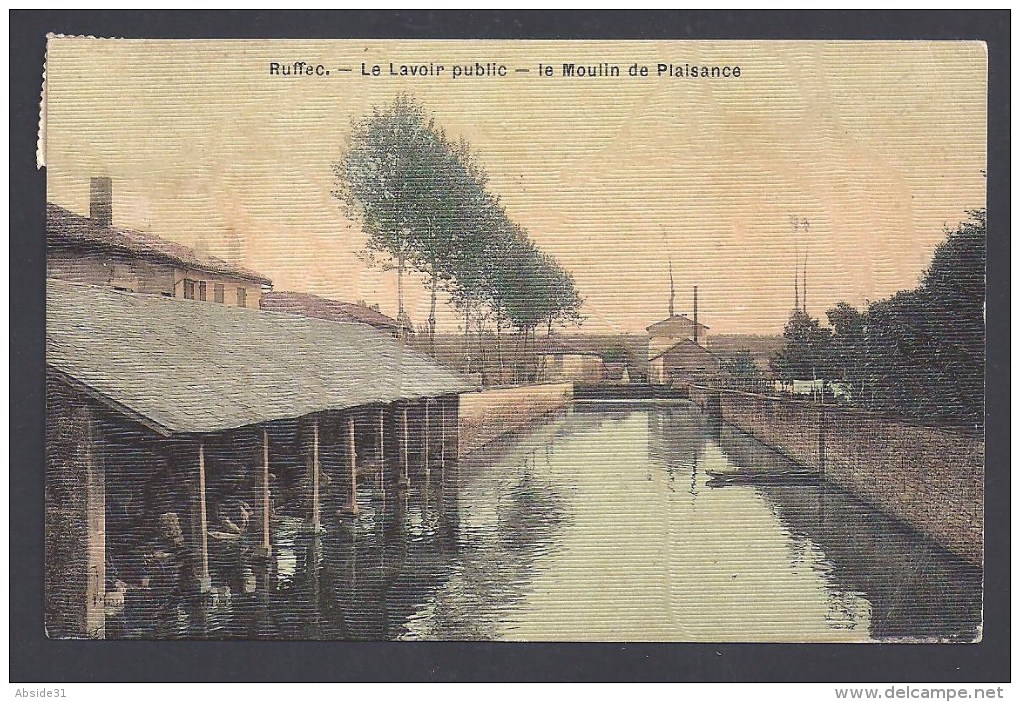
(877, 146)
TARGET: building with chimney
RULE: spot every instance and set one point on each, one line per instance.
(671, 331)
(677, 350)
(91, 250)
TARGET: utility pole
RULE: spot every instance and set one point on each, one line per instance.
(799, 225)
(796, 262)
(806, 226)
(695, 314)
(672, 291)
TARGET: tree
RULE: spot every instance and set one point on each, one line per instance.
(919, 353)
(954, 285)
(519, 292)
(617, 353)
(848, 348)
(374, 181)
(505, 249)
(956, 275)
(424, 203)
(741, 365)
(563, 303)
(806, 353)
(925, 347)
(744, 371)
(444, 211)
(414, 192)
(479, 233)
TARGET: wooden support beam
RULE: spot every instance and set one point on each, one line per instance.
(313, 625)
(404, 473)
(442, 433)
(267, 543)
(95, 520)
(315, 474)
(456, 427)
(382, 447)
(205, 583)
(354, 461)
(425, 439)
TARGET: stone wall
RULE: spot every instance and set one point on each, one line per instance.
(790, 426)
(930, 477)
(487, 414)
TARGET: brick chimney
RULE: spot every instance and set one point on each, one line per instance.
(101, 201)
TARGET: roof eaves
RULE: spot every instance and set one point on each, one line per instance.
(676, 317)
(681, 343)
(109, 402)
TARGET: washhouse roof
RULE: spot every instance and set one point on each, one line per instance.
(185, 366)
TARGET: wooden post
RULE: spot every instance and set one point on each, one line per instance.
(313, 626)
(821, 441)
(382, 446)
(456, 428)
(267, 544)
(95, 520)
(404, 473)
(442, 433)
(354, 462)
(315, 473)
(205, 584)
(425, 439)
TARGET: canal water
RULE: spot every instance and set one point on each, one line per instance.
(603, 524)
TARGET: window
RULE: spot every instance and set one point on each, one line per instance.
(189, 289)
(218, 292)
(242, 297)
(201, 291)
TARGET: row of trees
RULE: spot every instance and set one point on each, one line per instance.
(423, 200)
(920, 353)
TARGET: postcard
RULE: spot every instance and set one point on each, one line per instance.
(386, 340)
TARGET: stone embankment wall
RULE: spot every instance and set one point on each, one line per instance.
(929, 477)
(487, 414)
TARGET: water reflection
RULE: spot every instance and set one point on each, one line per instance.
(912, 590)
(599, 525)
(880, 571)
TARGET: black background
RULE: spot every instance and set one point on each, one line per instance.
(33, 658)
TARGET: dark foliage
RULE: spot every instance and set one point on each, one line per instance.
(925, 348)
(920, 353)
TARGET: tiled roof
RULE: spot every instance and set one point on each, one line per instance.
(66, 228)
(686, 342)
(325, 308)
(677, 320)
(182, 366)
